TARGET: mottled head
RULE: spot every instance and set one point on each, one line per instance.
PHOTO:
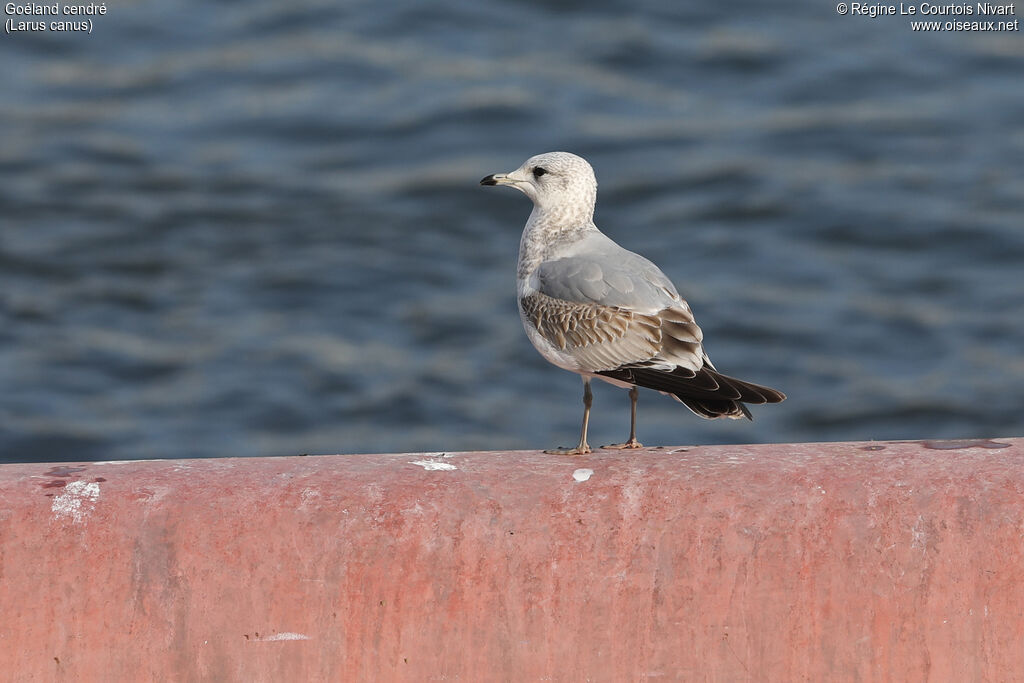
(557, 182)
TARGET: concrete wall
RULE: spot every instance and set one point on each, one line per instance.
(846, 561)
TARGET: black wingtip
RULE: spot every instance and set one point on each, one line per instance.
(489, 180)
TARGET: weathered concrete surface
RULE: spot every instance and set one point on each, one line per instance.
(811, 562)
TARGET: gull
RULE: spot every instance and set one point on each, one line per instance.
(592, 307)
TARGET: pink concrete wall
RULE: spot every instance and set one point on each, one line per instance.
(808, 562)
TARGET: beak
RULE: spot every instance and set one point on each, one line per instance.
(498, 179)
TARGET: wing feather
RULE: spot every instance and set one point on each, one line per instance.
(619, 317)
(599, 337)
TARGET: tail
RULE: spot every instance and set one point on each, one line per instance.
(707, 392)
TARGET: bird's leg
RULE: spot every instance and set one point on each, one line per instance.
(634, 393)
(588, 398)
(583, 447)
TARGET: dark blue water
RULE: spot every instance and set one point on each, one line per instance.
(255, 228)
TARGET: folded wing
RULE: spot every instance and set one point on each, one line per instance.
(620, 318)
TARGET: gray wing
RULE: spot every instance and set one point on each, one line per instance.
(604, 273)
(612, 308)
(618, 315)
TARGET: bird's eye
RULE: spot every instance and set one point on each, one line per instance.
(539, 171)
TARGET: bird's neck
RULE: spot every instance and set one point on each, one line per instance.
(548, 232)
(561, 218)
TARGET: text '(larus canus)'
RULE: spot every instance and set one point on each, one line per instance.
(596, 309)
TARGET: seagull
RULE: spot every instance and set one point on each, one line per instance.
(594, 308)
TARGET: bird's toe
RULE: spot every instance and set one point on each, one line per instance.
(631, 444)
(578, 450)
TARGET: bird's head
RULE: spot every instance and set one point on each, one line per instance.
(552, 180)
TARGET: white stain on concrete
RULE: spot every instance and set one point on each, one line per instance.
(434, 465)
(309, 496)
(582, 474)
(76, 501)
(919, 534)
(287, 635)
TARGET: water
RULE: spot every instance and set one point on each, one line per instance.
(256, 229)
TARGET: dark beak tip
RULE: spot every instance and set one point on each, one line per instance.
(489, 180)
